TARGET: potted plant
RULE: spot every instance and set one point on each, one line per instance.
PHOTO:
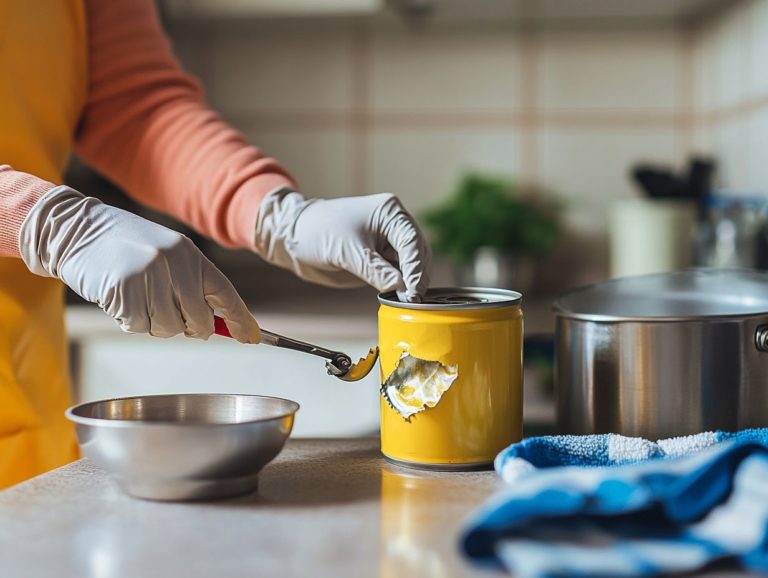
(492, 232)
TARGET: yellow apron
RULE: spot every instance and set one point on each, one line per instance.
(43, 83)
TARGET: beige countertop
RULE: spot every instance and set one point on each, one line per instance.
(323, 508)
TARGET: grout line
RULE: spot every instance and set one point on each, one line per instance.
(616, 118)
(359, 116)
(529, 120)
(732, 112)
(319, 120)
(460, 119)
(747, 45)
(686, 125)
(448, 119)
(716, 117)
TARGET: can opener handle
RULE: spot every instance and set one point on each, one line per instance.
(337, 363)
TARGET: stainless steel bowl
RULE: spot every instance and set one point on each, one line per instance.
(186, 446)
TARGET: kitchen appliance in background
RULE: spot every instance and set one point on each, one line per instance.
(733, 232)
(475, 338)
(664, 355)
(650, 236)
(656, 233)
(491, 267)
(661, 183)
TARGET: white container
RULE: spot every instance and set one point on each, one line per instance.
(650, 236)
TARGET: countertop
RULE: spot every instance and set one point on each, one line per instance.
(323, 508)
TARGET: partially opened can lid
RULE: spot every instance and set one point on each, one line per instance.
(452, 298)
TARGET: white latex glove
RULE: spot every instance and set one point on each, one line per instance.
(345, 242)
(150, 279)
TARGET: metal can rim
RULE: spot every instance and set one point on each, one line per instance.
(512, 298)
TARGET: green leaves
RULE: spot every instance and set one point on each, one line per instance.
(487, 211)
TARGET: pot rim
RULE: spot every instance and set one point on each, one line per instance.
(601, 318)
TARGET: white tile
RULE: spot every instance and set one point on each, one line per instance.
(320, 160)
(282, 69)
(758, 49)
(416, 70)
(423, 166)
(757, 153)
(726, 69)
(617, 70)
(730, 57)
(732, 147)
(703, 139)
(592, 166)
(704, 70)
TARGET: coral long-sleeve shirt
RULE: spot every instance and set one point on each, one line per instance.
(146, 127)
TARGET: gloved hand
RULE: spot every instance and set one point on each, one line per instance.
(148, 278)
(345, 242)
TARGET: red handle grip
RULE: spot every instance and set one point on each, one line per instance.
(220, 327)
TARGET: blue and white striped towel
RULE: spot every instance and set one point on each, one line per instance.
(607, 450)
(641, 519)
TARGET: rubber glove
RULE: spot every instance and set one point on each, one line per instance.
(150, 279)
(345, 242)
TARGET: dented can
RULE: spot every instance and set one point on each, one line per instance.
(452, 377)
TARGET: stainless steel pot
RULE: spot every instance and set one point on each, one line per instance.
(664, 355)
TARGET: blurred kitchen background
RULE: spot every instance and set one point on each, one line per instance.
(610, 136)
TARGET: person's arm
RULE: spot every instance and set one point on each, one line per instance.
(146, 127)
(18, 193)
(148, 278)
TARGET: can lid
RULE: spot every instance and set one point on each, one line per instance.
(452, 298)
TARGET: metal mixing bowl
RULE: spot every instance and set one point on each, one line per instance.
(185, 446)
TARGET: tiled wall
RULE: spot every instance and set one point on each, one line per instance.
(357, 107)
(731, 94)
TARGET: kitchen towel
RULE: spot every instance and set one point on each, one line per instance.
(606, 450)
(656, 517)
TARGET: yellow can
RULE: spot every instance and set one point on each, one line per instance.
(452, 378)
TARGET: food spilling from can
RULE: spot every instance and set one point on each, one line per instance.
(417, 384)
(451, 374)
